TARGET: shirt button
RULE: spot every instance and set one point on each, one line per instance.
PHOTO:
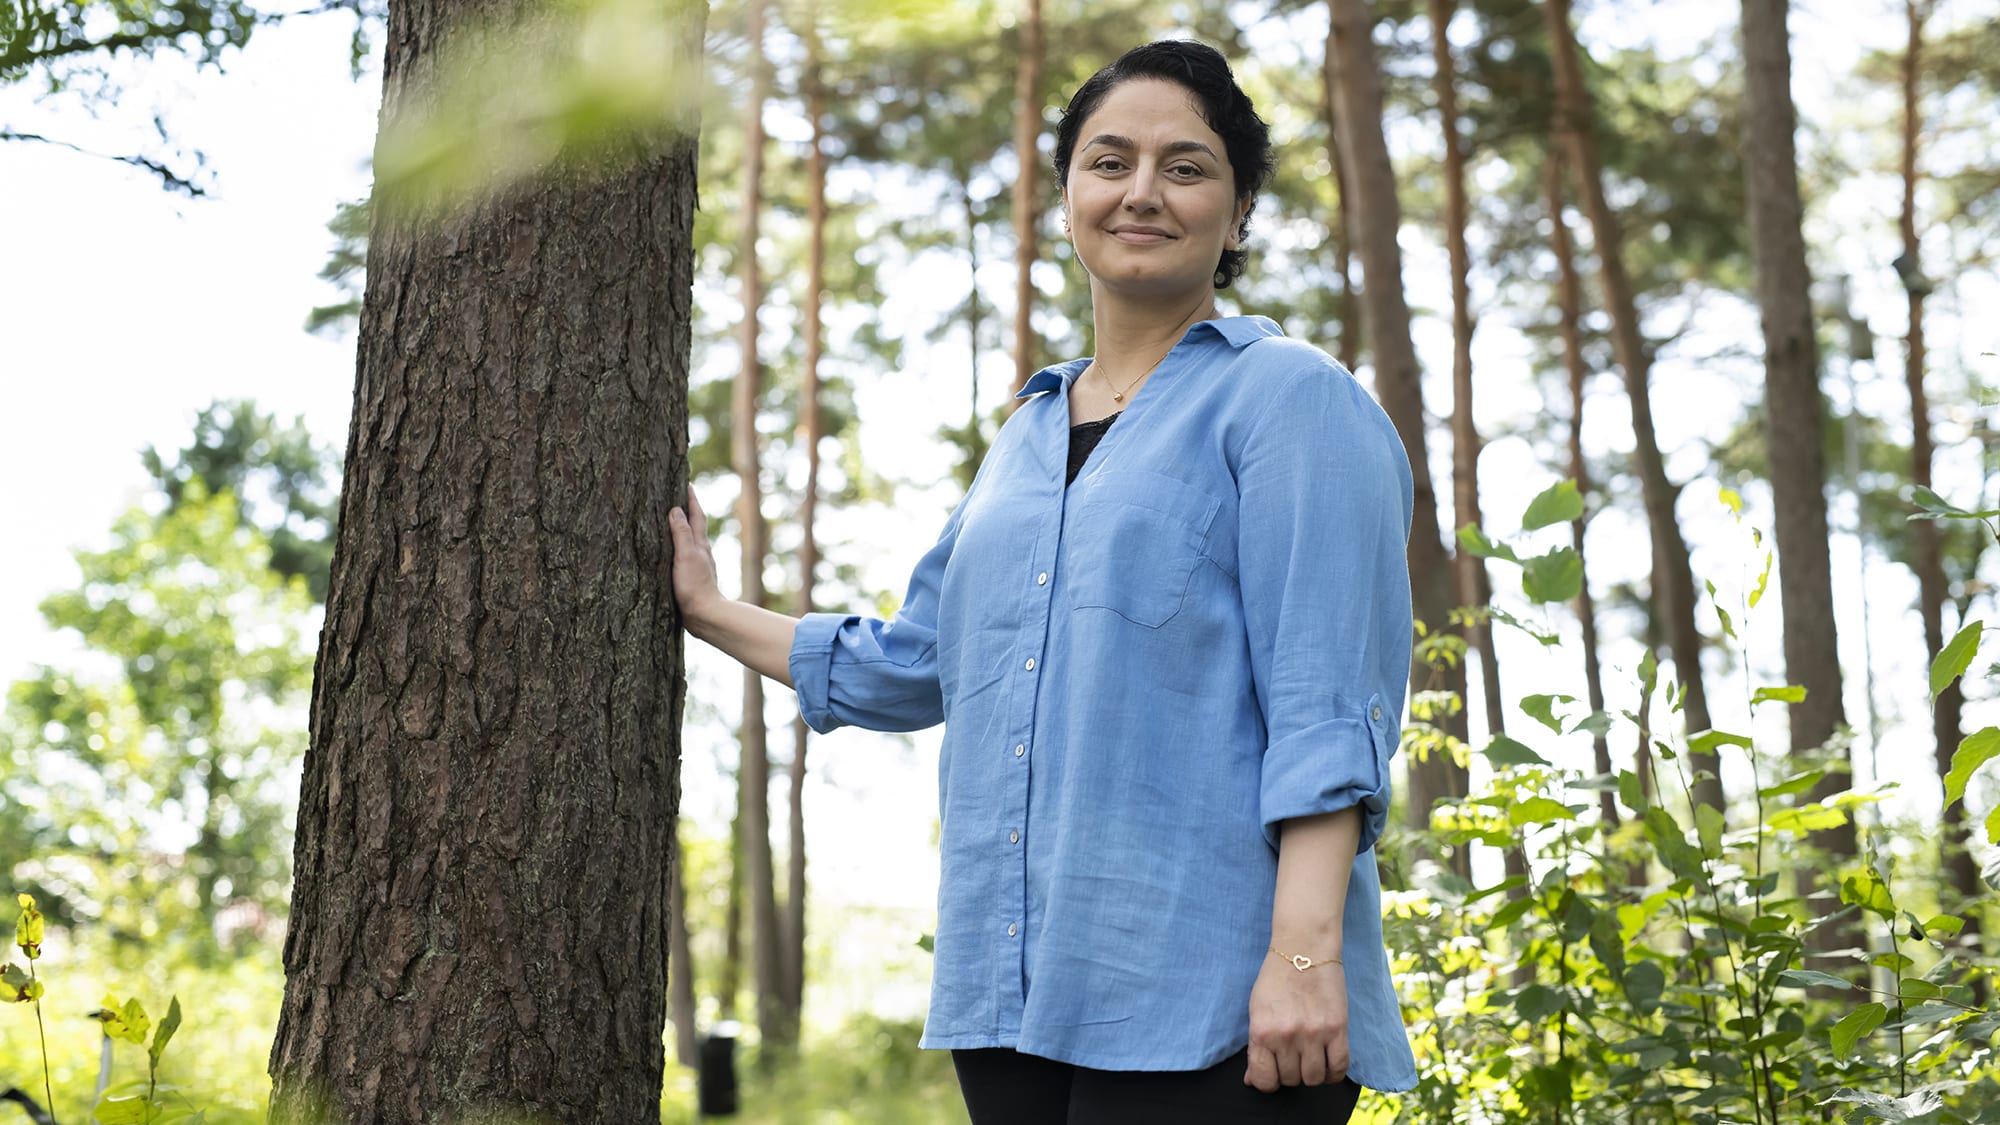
(1042, 579)
(1013, 837)
(1376, 714)
(1031, 666)
(1020, 749)
(1011, 931)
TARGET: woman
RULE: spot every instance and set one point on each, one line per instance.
(1168, 632)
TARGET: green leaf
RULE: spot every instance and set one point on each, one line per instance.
(1810, 978)
(1512, 911)
(1944, 923)
(1538, 1002)
(165, 1032)
(1790, 693)
(28, 931)
(1867, 891)
(15, 985)
(1977, 748)
(1936, 507)
(126, 1110)
(1538, 810)
(1954, 658)
(1763, 582)
(1731, 499)
(1854, 1025)
(1797, 783)
(1475, 542)
(1807, 818)
(1558, 503)
(1598, 723)
(1708, 827)
(1631, 792)
(1504, 751)
(1643, 984)
(1554, 577)
(1542, 709)
(1708, 740)
(1993, 825)
(927, 943)
(1728, 626)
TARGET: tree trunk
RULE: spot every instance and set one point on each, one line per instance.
(1343, 227)
(1569, 291)
(1027, 190)
(1378, 216)
(1673, 576)
(754, 772)
(1792, 431)
(680, 963)
(479, 918)
(795, 870)
(1475, 585)
(1961, 869)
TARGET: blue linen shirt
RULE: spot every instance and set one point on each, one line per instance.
(1140, 676)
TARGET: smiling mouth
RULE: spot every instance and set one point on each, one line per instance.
(1141, 235)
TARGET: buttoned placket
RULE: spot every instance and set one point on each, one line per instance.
(1040, 576)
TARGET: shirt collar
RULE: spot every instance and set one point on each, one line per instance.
(1237, 331)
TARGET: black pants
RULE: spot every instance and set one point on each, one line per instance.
(1004, 1087)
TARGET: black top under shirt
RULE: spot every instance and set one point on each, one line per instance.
(1083, 437)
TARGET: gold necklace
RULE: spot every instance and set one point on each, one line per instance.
(1118, 395)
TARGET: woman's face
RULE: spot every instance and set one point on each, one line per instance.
(1151, 200)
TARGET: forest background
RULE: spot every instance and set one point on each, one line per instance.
(150, 812)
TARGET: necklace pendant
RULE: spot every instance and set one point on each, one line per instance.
(1117, 396)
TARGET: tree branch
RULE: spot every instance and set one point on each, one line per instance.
(169, 179)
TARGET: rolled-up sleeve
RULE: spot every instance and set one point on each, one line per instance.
(858, 671)
(1325, 496)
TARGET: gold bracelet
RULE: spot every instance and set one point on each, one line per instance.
(1301, 962)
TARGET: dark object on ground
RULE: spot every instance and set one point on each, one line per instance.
(715, 1082)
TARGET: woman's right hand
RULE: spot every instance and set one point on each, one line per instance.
(695, 585)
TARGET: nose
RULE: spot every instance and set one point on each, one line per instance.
(1142, 191)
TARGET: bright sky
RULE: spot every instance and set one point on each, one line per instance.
(126, 309)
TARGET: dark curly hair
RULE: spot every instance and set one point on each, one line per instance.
(1202, 71)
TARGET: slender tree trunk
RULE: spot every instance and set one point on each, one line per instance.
(680, 963)
(1027, 190)
(479, 918)
(1475, 588)
(1378, 216)
(1342, 226)
(1792, 398)
(810, 423)
(1673, 576)
(754, 772)
(1569, 291)
(1961, 870)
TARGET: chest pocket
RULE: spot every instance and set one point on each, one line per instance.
(1131, 541)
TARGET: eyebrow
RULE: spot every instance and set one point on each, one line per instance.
(1112, 140)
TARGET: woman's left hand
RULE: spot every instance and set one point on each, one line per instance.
(1298, 1026)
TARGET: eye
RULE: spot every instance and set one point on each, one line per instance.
(1107, 164)
(1186, 171)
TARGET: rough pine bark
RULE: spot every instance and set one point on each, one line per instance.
(1673, 594)
(1961, 868)
(1027, 189)
(479, 919)
(1475, 585)
(794, 918)
(753, 771)
(1378, 216)
(1569, 301)
(1343, 227)
(680, 963)
(1792, 428)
